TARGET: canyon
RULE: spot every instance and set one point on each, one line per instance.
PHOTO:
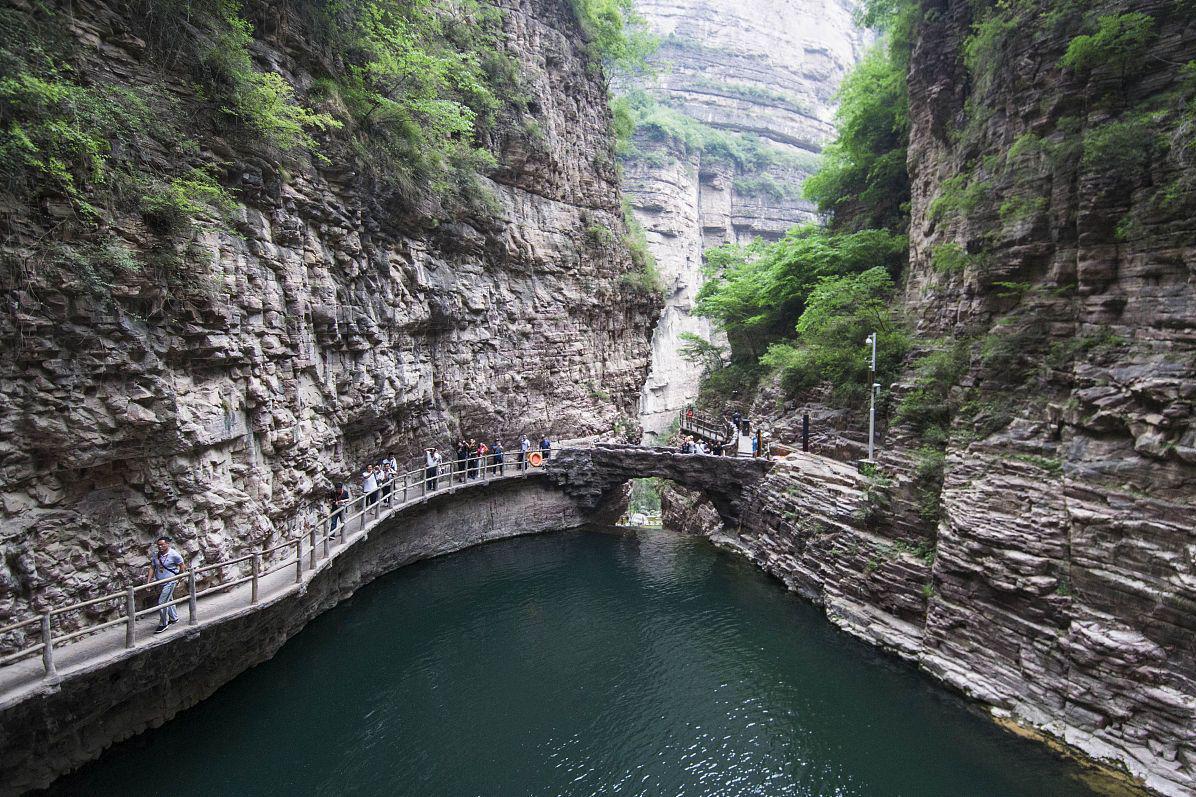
(1039, 556)
(761, 76)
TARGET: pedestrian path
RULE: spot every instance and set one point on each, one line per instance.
(218, 591)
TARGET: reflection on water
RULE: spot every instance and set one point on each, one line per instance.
(579, 663)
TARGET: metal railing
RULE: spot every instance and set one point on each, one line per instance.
(718, 430)
(401, 491)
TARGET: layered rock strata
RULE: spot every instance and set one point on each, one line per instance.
(331, 331)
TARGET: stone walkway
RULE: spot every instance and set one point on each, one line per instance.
(26, 676)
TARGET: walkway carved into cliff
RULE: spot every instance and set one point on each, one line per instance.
(592, 477)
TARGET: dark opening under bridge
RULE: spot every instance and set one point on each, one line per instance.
(93, 661)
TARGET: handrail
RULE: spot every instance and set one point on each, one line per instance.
(457, 472)
(711, 428)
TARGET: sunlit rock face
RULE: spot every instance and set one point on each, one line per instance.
(330, 331)
(766, 71)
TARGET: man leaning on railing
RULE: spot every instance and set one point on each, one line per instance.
(165, 563)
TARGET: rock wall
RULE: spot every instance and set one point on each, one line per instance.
(331, 331)
(760, 69)
(1054, 575)
(64, 725)
(1065, 574)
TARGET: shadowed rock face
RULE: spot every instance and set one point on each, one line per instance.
(596, 476)
(335, 331)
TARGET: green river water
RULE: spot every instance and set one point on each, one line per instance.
(579, 663)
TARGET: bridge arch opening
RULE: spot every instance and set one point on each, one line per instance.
(659, 502)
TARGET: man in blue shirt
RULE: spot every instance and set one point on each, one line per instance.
(165, 563)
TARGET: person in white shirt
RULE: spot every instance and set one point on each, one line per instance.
(369, 486)
(431, 468)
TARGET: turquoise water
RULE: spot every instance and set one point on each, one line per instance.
(579, 663)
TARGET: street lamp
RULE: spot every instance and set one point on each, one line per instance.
(873, 390)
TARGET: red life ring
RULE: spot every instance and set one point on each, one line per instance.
(536, 458)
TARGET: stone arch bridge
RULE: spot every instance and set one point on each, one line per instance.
(595, 476)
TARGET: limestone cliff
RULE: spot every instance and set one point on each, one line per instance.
(1053, 577)
(331, 327)
(762, 76)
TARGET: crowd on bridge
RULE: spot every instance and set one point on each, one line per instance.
(722, 441)
(472, 459)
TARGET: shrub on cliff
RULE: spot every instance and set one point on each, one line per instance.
(617, 34)
(757, 292)
(863, 182)
(829, 349)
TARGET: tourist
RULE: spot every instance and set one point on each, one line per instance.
(497, 467)
(387, 475)
(165, 563)
(340, 499)
(462, 456)
(525, 447)
(471, 452)
(483, 453)
(369, 485)
(431, 469)
(737, 419)
(545, 448)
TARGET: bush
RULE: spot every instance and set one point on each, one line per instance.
(958, 196)
(264, 102)
(1123, 147)
(925, 407)
(1119, 44)
(617, 34)
(863, 182)
(928, 482)
(766, 185)
(171, 208)
(756, 292)
(645, 277)
(699, 351)
(729, 384)
(950, 258)
(831, 332)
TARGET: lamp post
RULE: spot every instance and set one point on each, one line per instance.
(874, 387)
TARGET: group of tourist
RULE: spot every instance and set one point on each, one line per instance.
(472, 459)
(688, 444)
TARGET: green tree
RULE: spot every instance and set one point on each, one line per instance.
(840, 314)
(755, 292)
(1118, 44)
(864, 182)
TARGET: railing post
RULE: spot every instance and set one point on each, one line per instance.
(298, 560)
(257, 574)
(47, 647)
(326, 523)
(312, 555)
(191, 618)
(130, 617)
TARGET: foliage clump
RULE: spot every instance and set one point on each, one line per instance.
(840, 313)
(617, 33)
(803, 306)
